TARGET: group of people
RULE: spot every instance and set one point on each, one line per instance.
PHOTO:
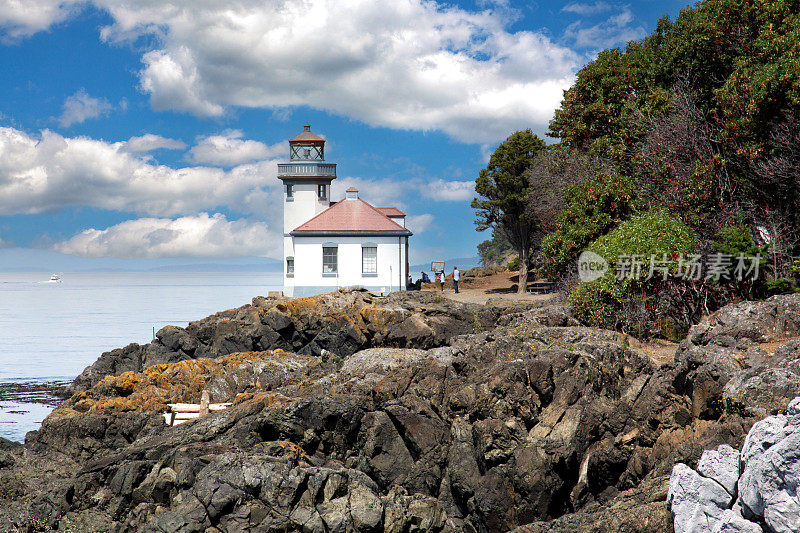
(440, 277)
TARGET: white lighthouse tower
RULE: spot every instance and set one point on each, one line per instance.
(306, 187)
(329, 245)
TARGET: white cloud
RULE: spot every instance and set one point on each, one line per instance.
(407, 64)
(21, 18)
(53, 172)
(378, 192)
(419, 223)
(80, 107)
(190, 236)
(616, 30)
(229, 149)
(149, 142)
(585, 9)
(448, 191)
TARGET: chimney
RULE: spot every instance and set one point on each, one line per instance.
(351, 193)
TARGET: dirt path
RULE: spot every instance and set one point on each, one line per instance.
(481, 296)
(479, 290)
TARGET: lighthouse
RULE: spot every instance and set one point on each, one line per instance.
(329, 245)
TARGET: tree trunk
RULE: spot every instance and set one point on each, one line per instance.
(523, 271)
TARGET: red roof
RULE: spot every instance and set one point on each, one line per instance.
(351, 217)
(307, 136)
(391, 211)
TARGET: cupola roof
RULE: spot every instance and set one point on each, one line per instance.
(307, 137)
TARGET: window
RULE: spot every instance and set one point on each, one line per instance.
(290, 267)
(329, 260)
(289, 191)
(307, 154)
(322, 191)
(369, 259)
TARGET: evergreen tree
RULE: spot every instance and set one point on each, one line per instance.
(503, 187)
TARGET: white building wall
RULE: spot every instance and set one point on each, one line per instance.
(288, 251)
(304, 205)
(308, 277)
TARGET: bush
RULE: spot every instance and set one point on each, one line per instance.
(778, 286)
(736, 240)
(593, 208)
(652, 234)
(632, 304)
(513, 264)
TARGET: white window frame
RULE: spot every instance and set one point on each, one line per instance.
(322, 191)
(290, 269)
(364, 269)
(290, 192)
(335, 270)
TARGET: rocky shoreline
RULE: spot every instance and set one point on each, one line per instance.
(24, 403)
(49, 393)
(405, 413)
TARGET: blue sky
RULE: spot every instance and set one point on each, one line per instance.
(146, 133)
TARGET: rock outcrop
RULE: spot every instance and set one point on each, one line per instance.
(752, 491)
(339, 324)
(401, 414)
(730, 361)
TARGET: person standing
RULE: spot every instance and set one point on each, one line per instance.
(456, 276)
(441, 279)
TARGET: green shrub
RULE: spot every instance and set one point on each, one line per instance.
(624, 304)
(796, 269)
(736, 240)
(655, 233)
(593, 208)
(513, 264)
(778, 286)
(592, 305)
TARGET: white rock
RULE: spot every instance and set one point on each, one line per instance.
(721, 465)
(762, 435)
(782, 513)
(697, 503)
(794, 407)
(732, 522)
(770, 482)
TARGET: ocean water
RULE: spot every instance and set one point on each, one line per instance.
(49, 332)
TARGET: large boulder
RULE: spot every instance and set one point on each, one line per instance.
(722, 466)
(725, 362)
(697, 502)
(766, 492)
(773, 319)
(768, 488)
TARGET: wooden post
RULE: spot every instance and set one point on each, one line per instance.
(205, 399)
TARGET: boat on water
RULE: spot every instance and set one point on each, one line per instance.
(55, 278)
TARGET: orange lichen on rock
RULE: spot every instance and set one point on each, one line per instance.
(298, 306)
(159, 385)
(380, 318)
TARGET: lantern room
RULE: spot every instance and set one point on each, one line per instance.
(307, 146)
